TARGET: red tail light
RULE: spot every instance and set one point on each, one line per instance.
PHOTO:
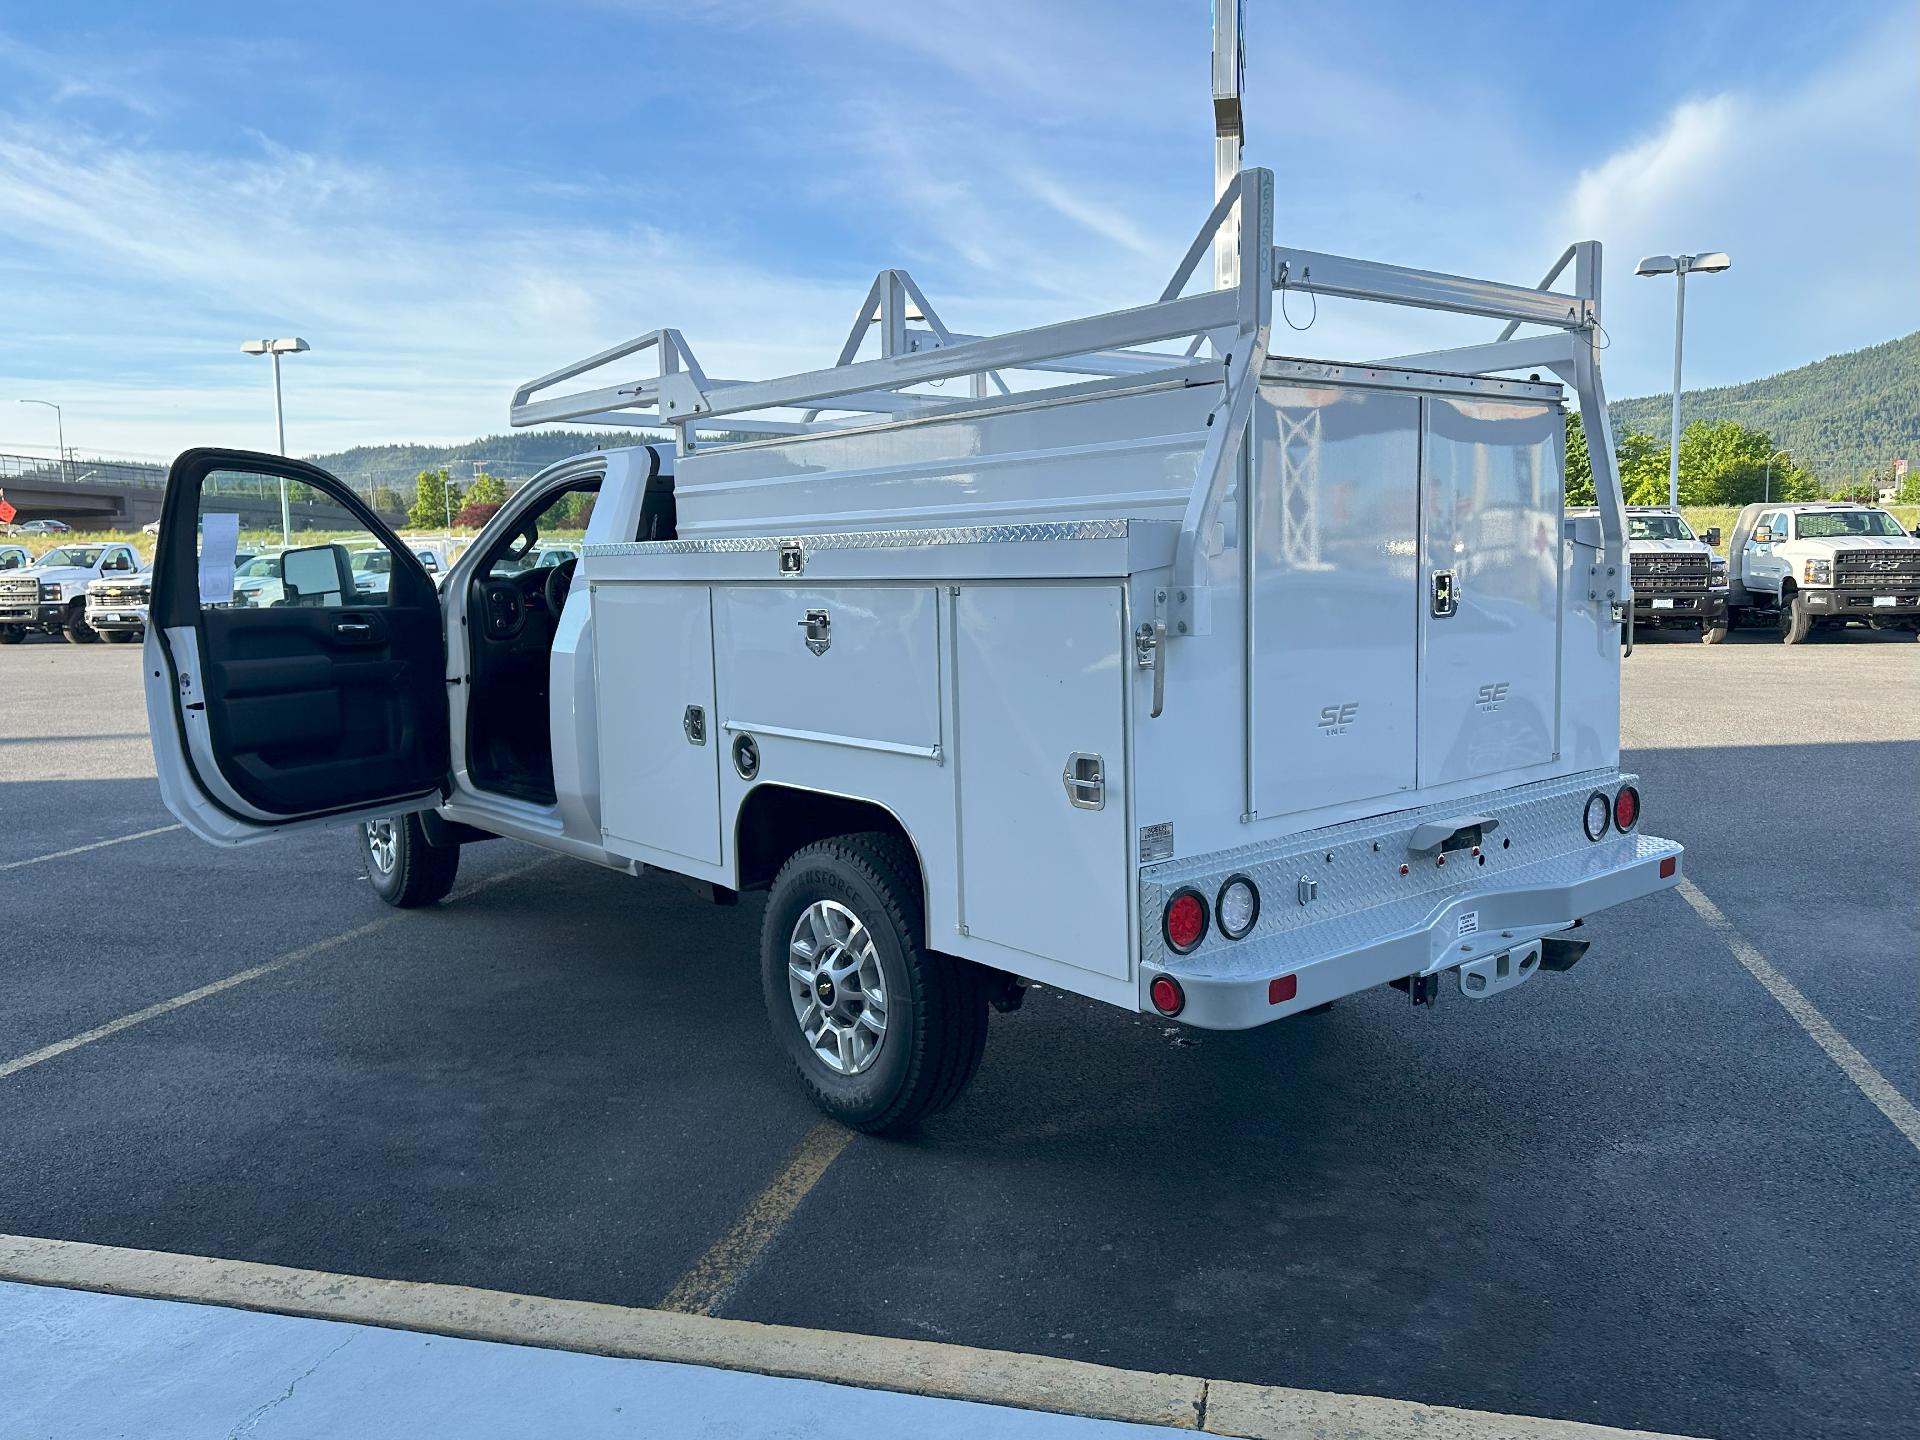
(1167, 996)
(1185, 923)
(1626, 809)
(1282, 990)
(1668, 866)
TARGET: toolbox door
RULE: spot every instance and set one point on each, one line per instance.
(1333, 595)
(1491, 500)
(1039, 701)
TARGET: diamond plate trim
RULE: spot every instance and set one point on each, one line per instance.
(1354, 878)
(1040, 531)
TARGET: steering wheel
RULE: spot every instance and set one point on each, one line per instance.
(559, 581)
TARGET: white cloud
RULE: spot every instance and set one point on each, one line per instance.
(1810, 187)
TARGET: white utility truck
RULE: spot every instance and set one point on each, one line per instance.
(51, 594)
(117, 606)
(1823, 565)
(1678, 581)
(1120, 655)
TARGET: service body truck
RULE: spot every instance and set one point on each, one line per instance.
(1808, 566)
(51, 594)
(1119, 655)
(1678, 581)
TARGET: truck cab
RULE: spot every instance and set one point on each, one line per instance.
(50, 595)
(1823, 566)
(1678, 581)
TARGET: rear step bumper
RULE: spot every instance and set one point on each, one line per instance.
(1533, 902)
(1355, 906)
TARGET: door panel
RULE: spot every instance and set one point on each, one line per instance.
(1491, 503)
(1335, 595)
(660, 740)
(306, 682)
(1037, 682)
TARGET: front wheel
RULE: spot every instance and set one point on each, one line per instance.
(12, 634)
(407, 869)
(882, 1030)
(77, 631)
(1796, 621)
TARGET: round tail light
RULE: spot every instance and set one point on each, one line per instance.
(1236, 907)
(1626, 809)
(1185, 922)
(1599, 814)
(1168, 998)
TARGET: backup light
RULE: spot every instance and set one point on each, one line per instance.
(1599, 814)
(1237, 906)
(1185, 921)
(1626, 809)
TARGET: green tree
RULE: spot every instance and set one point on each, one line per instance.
(435, 497)
(1579, 463)
(1910, 488)
(487, 490)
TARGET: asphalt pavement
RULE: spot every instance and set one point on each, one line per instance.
(1638, 1194)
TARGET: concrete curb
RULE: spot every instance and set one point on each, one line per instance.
(920, 1367)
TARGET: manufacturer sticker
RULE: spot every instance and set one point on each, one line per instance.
(1156, 842)
(1469, 923)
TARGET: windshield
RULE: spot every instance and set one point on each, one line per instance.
(1826, 524)
(85, 556)
(1657, 527)
(263, 568)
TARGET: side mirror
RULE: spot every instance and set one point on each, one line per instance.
(317, 575)
(1713, 535)
(1763, 536)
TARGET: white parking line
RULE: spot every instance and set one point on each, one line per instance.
(292, 957)
(83, 849)
(914, 1367)
(1857, 1068)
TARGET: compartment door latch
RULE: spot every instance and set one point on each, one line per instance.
(819, 628)
(1446, 594)
(1086, 780)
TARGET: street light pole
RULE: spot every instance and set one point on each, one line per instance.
(60, 426)
(274, 349)
(1769, 482)
(1679, 266)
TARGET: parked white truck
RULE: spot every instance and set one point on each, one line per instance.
(117, 606)
(1678, 581)
(1802, 567)
(51, 594)
(1208, 682)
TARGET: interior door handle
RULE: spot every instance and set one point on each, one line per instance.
(353, 629)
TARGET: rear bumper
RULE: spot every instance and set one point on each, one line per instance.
(1354, 906)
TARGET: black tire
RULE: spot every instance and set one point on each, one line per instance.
(1796, 621)
(77, 631)
(1713, 634)
(12, 634)
(407, 869)
(936, 1005)
(115, 637)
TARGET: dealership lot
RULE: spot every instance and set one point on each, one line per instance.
(1641, 1194)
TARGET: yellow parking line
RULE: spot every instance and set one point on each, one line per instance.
(1855, 1066)
(706, 1287)
(83, 849)
(913, 1367)
(292, 957)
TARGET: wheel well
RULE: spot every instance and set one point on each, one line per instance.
(1787, 587)
(776, 820)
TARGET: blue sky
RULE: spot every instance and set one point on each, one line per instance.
(446, 200)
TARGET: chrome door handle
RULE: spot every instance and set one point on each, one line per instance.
(353, 629)
(1150, 653)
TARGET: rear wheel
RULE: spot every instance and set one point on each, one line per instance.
(77, 631)
(882, 1030)
(407, 869)
(1796, 621)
